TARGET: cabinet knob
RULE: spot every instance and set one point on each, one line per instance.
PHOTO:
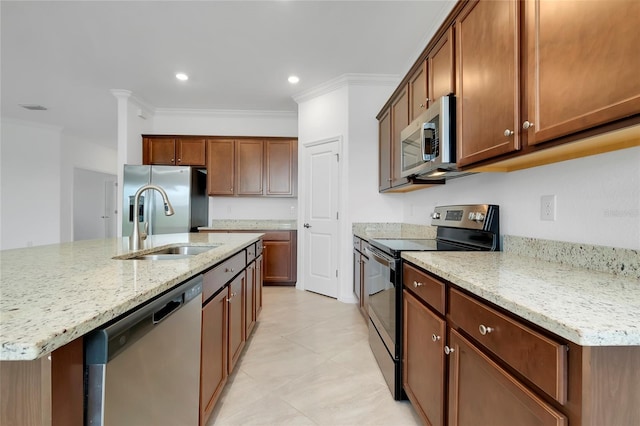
(484, 330)
(232, 296)
(228, 269)
(422, 106)
(173, 160)
(527, 125)
(508, 132)
(179, 160)
(416, 284)
(448, 350)
(435, 337)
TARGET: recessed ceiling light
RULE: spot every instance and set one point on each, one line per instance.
(293, 79)
(33, 107)
(182, 76)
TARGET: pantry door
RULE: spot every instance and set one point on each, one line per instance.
(320, 227)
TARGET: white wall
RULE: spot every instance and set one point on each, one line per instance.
(234, 123)
(598, 199)
(30, 184)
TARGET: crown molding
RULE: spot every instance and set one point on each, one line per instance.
(220, 113)
(382, 80)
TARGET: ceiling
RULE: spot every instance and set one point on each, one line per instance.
(68, 55)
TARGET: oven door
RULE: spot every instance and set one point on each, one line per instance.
(381, 286)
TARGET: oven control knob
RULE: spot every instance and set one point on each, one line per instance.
(435, 215)
(479, 217)
(472, 216)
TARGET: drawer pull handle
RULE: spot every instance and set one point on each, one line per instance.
(484, 330)
(228, 269)
(416, 284)
(448, 350)
(435, 338)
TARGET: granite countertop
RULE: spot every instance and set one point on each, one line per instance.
(250, 225)
(586, 307)
(51, 295)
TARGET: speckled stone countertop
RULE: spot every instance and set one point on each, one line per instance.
(586, 307)
(51, 295)
(250, 225)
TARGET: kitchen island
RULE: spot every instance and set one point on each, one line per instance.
(53, 295)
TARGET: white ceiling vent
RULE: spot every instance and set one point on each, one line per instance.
(33, 107)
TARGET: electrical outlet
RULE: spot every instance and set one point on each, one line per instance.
(548, 207)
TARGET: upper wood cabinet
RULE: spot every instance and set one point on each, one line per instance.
(384, 150)
(252, 167)
(441, 67)
(170, 151)
(487, 80)
(583, 66)
(399, 120)
(418, 93)
(281, 168)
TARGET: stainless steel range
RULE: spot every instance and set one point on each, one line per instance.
(473, 227)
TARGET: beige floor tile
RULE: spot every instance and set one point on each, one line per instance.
(308, 362)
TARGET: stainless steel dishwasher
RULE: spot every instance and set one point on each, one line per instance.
(144, 369)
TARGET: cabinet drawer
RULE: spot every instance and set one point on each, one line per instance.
(251, 253)
(538, 358)
(277, 235)
(217, 277)
(259, 248)
(428, 289)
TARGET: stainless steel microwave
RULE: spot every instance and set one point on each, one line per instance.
(428, 146)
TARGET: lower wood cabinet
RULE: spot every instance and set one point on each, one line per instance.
(423, 374)
(482, 393)
(229, 313)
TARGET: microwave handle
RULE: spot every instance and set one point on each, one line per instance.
(429, 156)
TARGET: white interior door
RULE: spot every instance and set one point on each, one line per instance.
(93, 205)
(321, 219)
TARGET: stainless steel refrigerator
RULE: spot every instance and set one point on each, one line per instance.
(186, 188)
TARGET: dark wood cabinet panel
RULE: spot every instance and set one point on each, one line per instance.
(423, 375)
(399, 120)
(482, 393)
(160, 151)
(281, 159)
(250, 299)
(259, 283)
(441, 68)
(220, 166)
(384, 150)
(583, 65)
(488, 57)
(418, 93)
(277, 255)
(213, 361)
(236, 305)
(191, 152)
(249, 166)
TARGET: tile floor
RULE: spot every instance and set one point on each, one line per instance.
(308, 362)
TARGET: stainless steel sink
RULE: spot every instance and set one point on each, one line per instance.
(172, 253)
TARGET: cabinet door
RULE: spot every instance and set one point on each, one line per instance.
(364, 292)
(249, 167)
(384, 150)
(213, 361)
(583, 65)
(236, 301)
(191, 152)
(277, 261)
(418, 91)
(250, 300)
(482, 393)
(424, 360)
(488, 70)
(357, 276)
(441, 68)
(160, 151)
(281, 159)
(220, 166)
(399, 120)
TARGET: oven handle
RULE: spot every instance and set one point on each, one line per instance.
(380, 258)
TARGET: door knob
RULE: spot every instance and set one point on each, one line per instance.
(306, 225)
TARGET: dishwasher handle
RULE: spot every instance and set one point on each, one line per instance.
(167, 310)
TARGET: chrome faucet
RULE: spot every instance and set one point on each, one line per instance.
(135, 239)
